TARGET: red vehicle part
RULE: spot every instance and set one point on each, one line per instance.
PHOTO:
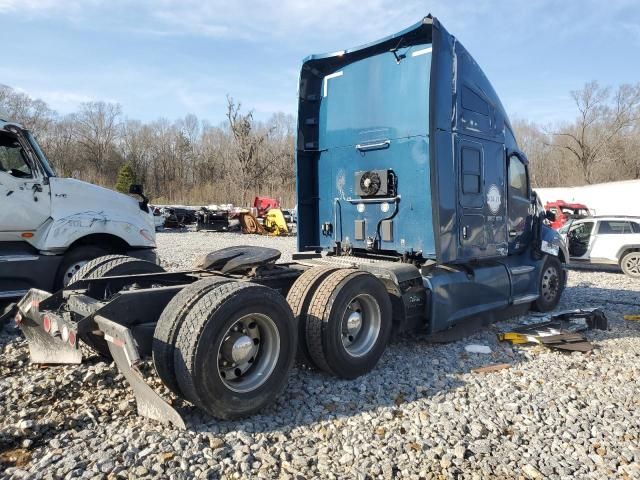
(264, 204)
(564, 211)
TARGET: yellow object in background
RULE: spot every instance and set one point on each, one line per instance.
(275, 223)
(632, 317)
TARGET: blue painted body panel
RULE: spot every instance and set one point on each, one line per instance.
(367, 102)
(427, 103)
(428, 114)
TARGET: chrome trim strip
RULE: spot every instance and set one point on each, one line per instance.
(525, 299)
(522, 269)
(13, 293)
(18, 258)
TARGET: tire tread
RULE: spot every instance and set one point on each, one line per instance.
(318, 314)
(299, 299)
(169, 324)
(84, 271)
(194, 324)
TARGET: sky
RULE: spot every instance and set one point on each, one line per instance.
(168, 58)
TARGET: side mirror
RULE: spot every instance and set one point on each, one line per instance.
(136, 190)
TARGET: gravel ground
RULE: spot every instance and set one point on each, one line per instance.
(179, 250)
(421, 413)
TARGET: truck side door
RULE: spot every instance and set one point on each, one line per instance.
(519, 202)
(25, 199)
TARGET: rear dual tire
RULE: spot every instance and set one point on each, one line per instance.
(299, 298)
(348, 323)
(234, 347)
(169, 324)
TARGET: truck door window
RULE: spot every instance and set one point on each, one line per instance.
(12, 158)
(518, 177)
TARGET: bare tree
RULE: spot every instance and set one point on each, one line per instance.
(98, 127)
(248, 142)
(601, 119)
(18, 107)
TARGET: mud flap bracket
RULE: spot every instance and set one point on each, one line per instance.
(45, 347)
(125, 353)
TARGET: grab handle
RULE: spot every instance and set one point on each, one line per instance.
(373, 146)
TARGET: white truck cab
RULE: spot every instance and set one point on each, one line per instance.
(51, 226)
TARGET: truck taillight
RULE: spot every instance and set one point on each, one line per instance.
(18, 318)
(72, 338)
(46, 323)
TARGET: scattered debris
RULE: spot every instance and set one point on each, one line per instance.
(17, 457)
(560, 331)
(264, 205)
(171, 219)
(477, 348)
(491, 368)
(249, 223)
(216, 220)
(274, 223)
(632, 318)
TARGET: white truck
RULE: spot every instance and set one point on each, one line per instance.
(51, 226)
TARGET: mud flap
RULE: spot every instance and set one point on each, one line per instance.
(44, 347)
(125, 354)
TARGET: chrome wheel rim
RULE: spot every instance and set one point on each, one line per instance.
(248, 353)
(71, 271)
(361, 323)
(550, 284)
(632, 264)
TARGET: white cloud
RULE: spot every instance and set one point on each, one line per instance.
(64, 101)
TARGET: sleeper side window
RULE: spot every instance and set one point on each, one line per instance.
(471, 170)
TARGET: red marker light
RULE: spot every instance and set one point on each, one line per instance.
(18, 318)
(46, 323)
(72, 338)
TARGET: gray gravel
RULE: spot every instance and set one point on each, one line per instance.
(420, 414)
(179, 250)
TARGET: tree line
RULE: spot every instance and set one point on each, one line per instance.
(601, 145)
(186, 161)
(193, 162)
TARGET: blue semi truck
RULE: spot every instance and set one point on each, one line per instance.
(415, 212)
